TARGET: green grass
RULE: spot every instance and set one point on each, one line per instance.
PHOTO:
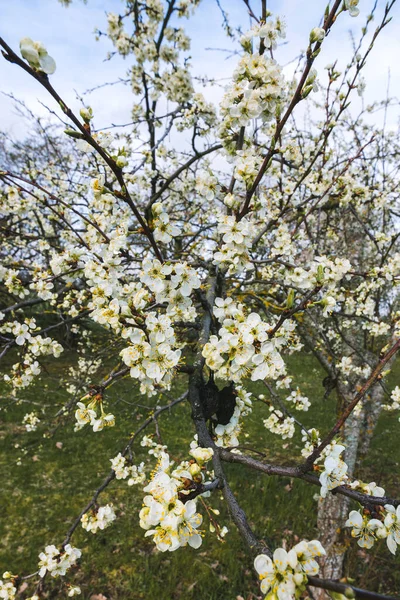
(41, 496)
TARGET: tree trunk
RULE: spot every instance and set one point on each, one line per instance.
(373, 408)
(333, 510)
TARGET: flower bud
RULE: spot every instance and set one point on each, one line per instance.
(121, 161)
(194, 469)
(381, 532)
(317, 34)
(86, 114)
(201, 455)
(29, 52)
(223, 531)
(298, 578)
(157, 208)
(320, 274)
(351, 6)
(74, 134)
(36, 55)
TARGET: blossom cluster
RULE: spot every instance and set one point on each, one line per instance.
(123, 470)
(153, 354)
(31, 421)
(155, 359)
(247, 163)
(237, 238)
(285, 574)
(279, 423)
(171, 283)
(155, 449)
(81, 374)
(371, 488)
(201, 455)
(164, 230)
(34, 345)
(7, 587)
(12, 281)
(323, 270)
(199, 113)
(335, 470)
(23, 373)
(207, 185)
(172, 522)
(43, 286)
(242, 347)
(86, 414)
(98, 519)
(299, 402)
(368, 530)
(57, 562)
(165, 75)
(311, 439)
(395, 400)
(257, 85)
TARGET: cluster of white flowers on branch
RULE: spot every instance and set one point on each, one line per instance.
(57, 562)
(367, 530)
(123, 470)
(165, 515)
(243, 347)
(98, 519)
(257, 84)
(285, 575)
(86, 414)
(31, 421)
(213, 271)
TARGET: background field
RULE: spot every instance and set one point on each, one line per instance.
(59, 472)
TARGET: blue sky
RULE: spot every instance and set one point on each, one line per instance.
(68, 35)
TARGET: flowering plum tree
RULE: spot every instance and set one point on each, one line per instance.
(213, 260)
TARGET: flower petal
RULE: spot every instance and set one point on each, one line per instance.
(263, 564)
